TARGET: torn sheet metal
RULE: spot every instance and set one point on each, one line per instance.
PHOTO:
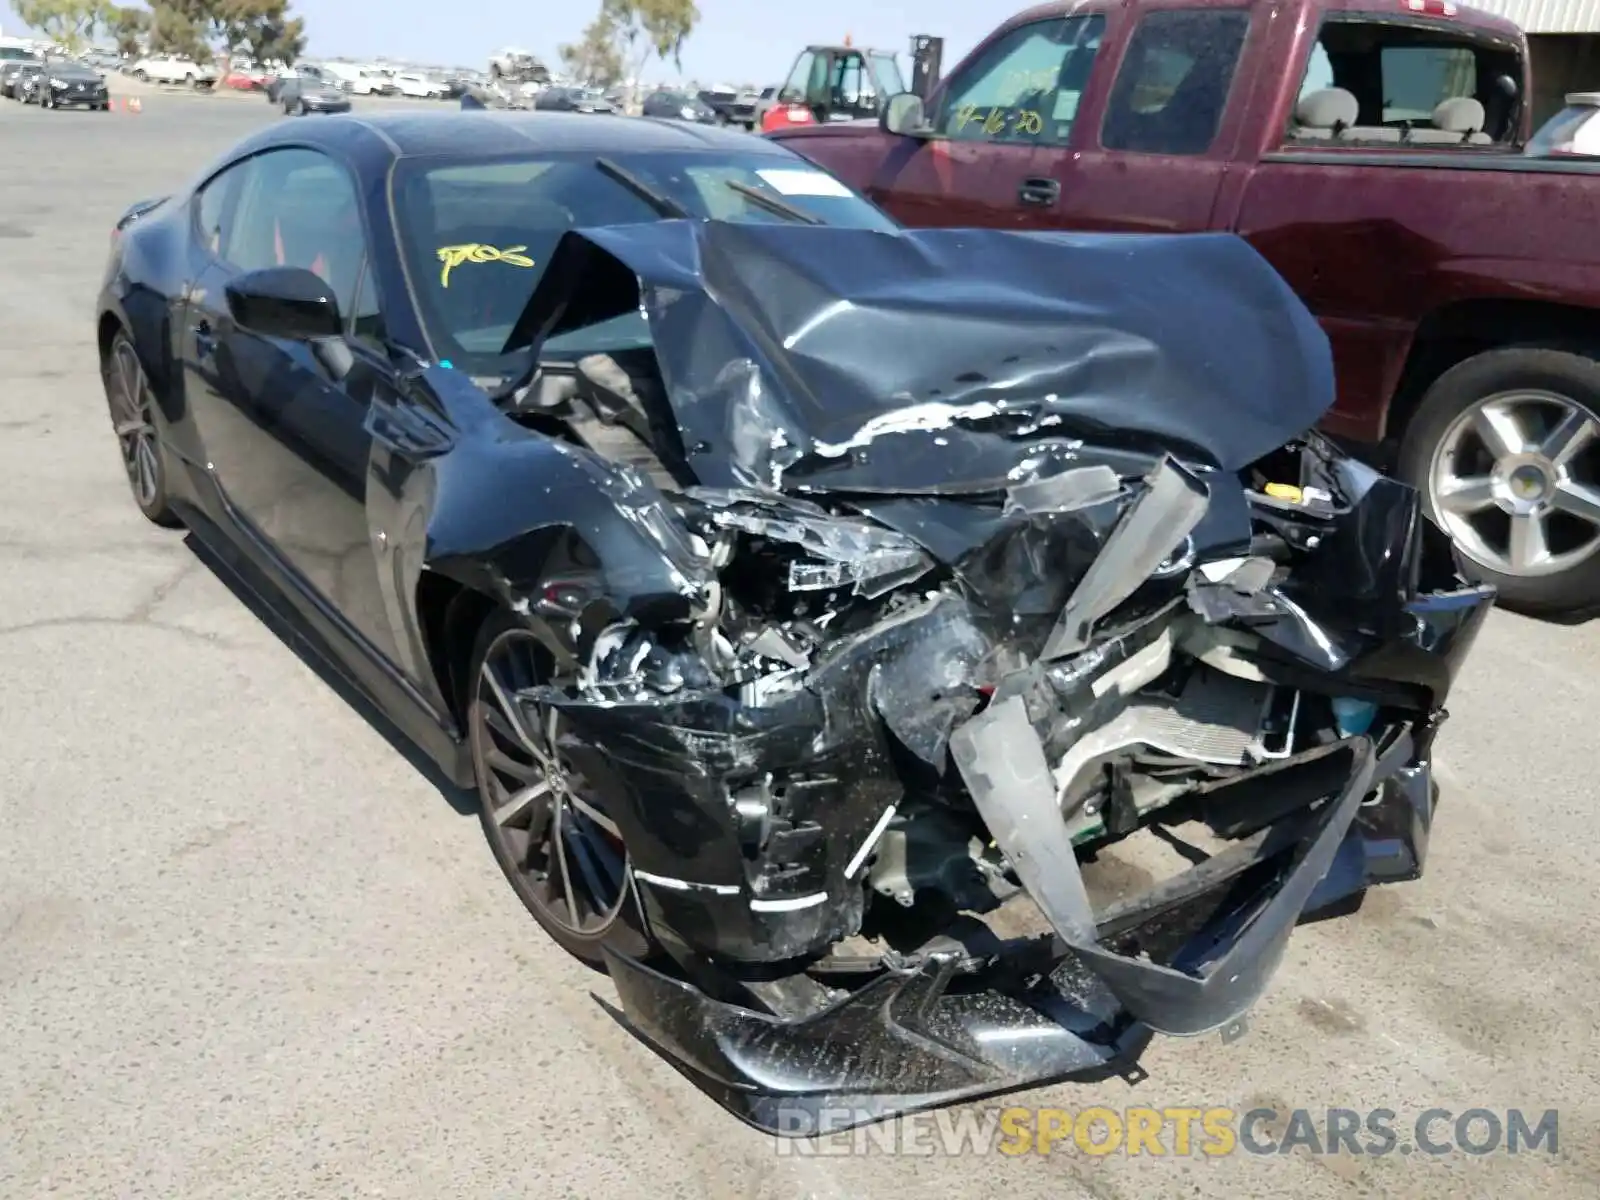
(985, 577)
(1149, 539)
(847, 360)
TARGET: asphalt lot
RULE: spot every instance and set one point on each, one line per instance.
(246, 948)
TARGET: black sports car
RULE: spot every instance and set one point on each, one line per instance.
(70, 85)
(809, 599)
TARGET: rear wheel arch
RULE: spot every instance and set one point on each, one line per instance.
(1453, 333)
(106, 331)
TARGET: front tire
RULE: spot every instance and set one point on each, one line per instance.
(133, 406)
(540, 815)
(1505, 448)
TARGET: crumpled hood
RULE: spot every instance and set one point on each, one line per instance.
(936, 360)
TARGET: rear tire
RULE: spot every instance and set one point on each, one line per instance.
(133, 419)
(1504, 503)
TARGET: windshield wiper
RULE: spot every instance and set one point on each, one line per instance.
(772, 204)
(666, 206)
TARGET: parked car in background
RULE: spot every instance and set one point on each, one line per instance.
(1376, 159)
(11, 63)
(275, 85)
(247, 79)
(678, 106)
(743, 109)
(67, 84)
(167, 68)
(722, 101)
(419, 87)
(572, 99)
(304, 95)
(25, 82)
(767, 97)
(1574, 132)
(360, 81)
(373, 83)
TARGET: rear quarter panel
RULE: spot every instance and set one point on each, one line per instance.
(145, 278)
(1374, 243)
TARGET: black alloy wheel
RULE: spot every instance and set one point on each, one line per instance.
(132, 407)
(541, 815)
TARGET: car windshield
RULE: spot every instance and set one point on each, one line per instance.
(475, 235)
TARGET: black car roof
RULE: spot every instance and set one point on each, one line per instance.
(74, 69)
(491, 131)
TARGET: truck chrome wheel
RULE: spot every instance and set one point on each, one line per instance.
(1515, 481)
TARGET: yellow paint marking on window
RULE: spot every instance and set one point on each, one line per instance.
(476, 252)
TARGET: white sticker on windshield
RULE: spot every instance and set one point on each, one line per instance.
(790, 182)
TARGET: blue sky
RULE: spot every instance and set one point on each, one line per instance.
(737, 41)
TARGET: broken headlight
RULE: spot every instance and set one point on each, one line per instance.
(835, 552)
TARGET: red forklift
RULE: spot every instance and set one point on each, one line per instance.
(844, 83)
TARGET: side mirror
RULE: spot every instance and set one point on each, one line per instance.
(903, 115)
(285, 302)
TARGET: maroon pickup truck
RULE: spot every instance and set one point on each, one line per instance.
(1371, 150)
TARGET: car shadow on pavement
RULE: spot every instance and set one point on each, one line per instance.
(247, 592)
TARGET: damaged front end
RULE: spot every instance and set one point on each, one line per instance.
(949, 659)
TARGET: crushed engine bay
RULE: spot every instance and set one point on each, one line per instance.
(924, 659)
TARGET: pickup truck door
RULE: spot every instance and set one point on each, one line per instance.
(1002, 122)
(1171, 121)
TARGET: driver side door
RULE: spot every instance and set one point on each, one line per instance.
(1005, 127)
(285, 436)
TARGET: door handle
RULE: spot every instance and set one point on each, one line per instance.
(1039, 192)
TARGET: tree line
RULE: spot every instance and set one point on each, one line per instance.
(194, 29)
(623, 37)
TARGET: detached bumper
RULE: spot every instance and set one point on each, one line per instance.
(1191, 955)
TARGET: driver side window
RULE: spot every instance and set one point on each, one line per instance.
(299, 208)
(1025, 87)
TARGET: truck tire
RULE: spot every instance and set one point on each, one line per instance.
(1505, 449)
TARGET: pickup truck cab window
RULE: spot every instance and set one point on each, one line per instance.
(1379, 82)
(1174, 81)
(1025, 86)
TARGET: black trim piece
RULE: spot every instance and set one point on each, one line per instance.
(1447, 160)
